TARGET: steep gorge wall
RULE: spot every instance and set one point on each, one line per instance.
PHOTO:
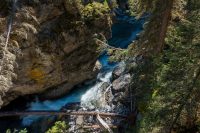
(52, 44)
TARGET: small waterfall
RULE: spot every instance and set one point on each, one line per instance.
(6, 53)
(93, 97)
(10, 22)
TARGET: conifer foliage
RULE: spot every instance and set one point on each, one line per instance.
(167, 85)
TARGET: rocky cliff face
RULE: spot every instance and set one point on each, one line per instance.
(51, 44)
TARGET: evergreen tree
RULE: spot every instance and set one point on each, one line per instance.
(166, 81)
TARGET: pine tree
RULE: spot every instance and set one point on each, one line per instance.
(167, 78)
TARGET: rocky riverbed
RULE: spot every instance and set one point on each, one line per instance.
(113, 96)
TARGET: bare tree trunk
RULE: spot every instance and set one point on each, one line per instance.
(152, 41)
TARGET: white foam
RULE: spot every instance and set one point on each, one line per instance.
(93, 95)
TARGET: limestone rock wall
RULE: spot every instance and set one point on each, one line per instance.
(52, 45)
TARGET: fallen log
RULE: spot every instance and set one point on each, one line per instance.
(98, 126)
(42, 113)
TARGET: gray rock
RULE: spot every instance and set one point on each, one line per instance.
(120, 84)
(79, 120)
(119, 70)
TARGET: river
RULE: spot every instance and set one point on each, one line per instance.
(124, 31)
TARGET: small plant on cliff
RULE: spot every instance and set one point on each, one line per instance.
(59, 127)
(16, 131)
(94, 10)
(138, 7)
(23, 131)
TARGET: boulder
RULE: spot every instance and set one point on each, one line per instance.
(121, 84)
(118, 71)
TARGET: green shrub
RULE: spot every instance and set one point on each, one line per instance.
(94, 10)
(59, 127)
(17, 131)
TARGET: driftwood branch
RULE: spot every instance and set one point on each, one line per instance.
(24, 113)
(98, 126)
(103, 124)
(107, 45)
